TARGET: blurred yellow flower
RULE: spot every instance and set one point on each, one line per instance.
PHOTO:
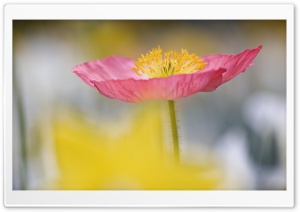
(95, 158)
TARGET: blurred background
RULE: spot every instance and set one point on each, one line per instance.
(68, 136)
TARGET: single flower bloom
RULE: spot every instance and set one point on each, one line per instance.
(157, 75)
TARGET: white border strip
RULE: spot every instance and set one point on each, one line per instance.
(147, 198)
(147, 11)
(290, 113)
(150, 198)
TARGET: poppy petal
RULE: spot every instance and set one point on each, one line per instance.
(234, 64)
(171, 88)
(110, 68)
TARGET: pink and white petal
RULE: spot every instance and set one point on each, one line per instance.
(110, 68)
(234, 64)
(171, 88)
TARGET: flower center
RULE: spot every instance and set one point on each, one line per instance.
(156, 64)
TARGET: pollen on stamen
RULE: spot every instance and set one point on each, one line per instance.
(155, 64)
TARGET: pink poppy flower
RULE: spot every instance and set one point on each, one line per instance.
(170, 76)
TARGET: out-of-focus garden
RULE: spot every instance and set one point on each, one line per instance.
(68, 136)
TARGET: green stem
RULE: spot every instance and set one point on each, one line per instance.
(174, 130)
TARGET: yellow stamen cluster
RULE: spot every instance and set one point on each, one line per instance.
(156, 64)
